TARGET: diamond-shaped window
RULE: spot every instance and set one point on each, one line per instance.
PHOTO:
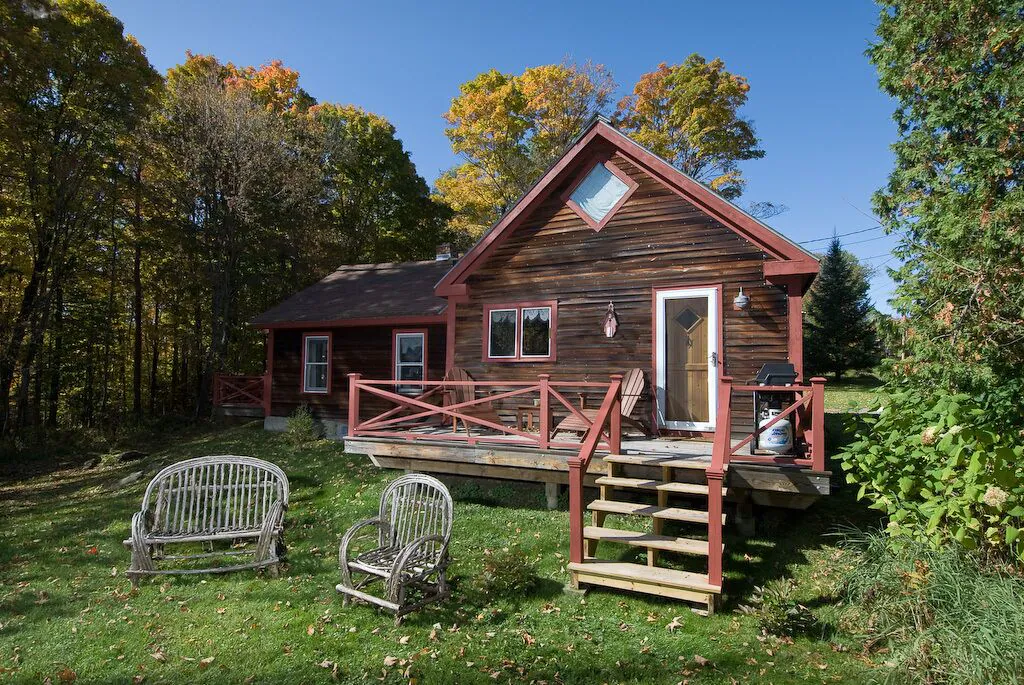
(599, 192)
(688, 319)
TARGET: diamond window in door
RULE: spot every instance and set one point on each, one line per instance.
(688, 319)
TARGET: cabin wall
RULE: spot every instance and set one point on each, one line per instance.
(359, 349)
(656, 239)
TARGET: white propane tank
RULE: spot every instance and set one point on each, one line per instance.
(779, 438)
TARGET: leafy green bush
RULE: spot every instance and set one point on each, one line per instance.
(777, 612)
(945, 467)
(943, 615)
(507, 573)
(303, 428)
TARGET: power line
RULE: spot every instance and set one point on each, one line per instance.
(843, 235)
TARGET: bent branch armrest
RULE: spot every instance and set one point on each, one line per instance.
(383, 526)
(273, 524)
(142, 559)
(412, 553)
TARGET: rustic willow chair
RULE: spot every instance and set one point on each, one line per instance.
(407, 547)
(206, 500)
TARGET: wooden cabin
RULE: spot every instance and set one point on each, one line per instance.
(613, 261)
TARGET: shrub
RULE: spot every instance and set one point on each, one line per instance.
(777, 611)
(943, 615)
(945, 467)
(507, 573)
(303, 428)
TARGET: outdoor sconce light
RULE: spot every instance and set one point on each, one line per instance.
(741, 301)
(611, 322)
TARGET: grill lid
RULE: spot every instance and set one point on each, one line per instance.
(776, 373)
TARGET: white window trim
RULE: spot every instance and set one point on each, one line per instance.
(515, 337)
(306, 364)
(410, 389)
(661, 377)
(522, 333)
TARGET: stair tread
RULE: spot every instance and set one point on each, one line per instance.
(652, 510)
(698, 463)
(647, 574)
(651, 484)
(650, 540)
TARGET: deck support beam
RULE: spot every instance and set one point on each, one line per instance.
(551, 492)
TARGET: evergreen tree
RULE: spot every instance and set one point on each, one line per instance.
(838, 334)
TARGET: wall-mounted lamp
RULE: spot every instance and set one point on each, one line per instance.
(611, 322)
(741, 301)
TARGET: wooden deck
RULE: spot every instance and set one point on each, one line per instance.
(778, 485)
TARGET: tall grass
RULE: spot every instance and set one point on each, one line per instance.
(945, 615)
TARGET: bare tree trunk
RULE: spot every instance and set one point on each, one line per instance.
(87, 410)
(155, 358)
(14, 346)
(174, 370)
(137, 316)
(56, 359)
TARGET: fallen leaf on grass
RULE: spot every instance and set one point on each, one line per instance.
(159, 655)
(404, 640)
(310, 629)
(390, 661)
(700, 661)
(205, 663)
(673, 624)
(66, 675)
(528, 639)
(221, 610)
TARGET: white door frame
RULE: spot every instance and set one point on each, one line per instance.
(660, 298)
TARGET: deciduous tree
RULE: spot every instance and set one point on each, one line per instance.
(689, 114)
(508, 128)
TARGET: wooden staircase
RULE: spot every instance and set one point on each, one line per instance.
(670, 477)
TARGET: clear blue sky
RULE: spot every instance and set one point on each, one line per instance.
(822, 121)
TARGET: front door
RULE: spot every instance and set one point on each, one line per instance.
(686, 350)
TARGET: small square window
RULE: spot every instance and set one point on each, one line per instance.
(599, 192)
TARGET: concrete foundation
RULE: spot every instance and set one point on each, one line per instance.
(333, 430)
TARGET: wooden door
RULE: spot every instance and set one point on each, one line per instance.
(686, 358)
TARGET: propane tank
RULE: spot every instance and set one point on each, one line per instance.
(779, 438)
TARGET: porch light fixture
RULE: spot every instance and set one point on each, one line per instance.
(741, 301)
(611, 322)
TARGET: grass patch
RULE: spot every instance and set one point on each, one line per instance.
(66, 607)
(943, 615)
(852, 393)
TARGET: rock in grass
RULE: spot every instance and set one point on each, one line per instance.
(130, 455)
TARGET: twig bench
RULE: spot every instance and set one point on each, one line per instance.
(205, 500)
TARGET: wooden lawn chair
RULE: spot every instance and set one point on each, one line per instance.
(457, 394)
(632, 389)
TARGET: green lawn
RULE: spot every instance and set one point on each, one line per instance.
(66, 610)
(851, 393)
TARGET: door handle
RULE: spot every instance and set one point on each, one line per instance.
(714, 359)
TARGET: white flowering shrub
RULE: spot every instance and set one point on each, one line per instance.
(945, 467)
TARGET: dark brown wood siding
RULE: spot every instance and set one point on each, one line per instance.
(656, 239)
(362, 349)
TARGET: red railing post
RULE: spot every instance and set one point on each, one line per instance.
(615, 418)
(216, 389)
(544, 420)
(715, 527)
(818, 423)
(720, 455)
(353, 402)
(575, 510)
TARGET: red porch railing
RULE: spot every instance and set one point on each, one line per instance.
(418, 415)
(809, 401)
(609, 413)
(241, 391)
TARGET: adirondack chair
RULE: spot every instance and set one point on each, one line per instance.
(205, 500)
(457, 394)
(408, 547)
(632, 388)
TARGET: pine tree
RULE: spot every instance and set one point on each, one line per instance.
(838, 334)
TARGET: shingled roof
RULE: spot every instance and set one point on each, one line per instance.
(363, 292)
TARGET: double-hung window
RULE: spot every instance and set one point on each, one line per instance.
(522, 332)
(410, 355)
(316, 363)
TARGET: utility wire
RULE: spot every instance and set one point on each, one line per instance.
(842, 235)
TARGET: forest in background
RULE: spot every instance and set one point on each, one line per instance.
(145, 219)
